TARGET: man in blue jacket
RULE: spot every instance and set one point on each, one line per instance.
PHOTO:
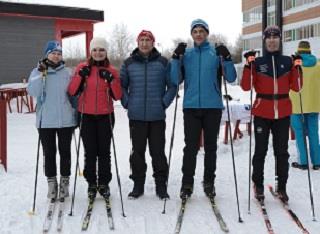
(202, 103)
(147, 92)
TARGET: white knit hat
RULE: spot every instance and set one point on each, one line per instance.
(98, 42)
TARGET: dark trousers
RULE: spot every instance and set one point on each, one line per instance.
(194, 121)
(280, 132)
(154, 133)
(48, 141)
(96, 137)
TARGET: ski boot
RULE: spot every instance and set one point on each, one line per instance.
(52, 187)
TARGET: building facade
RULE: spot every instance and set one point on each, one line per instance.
(298, 19)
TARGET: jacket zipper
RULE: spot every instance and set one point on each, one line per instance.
(275, 90)
(145, 89)
(97, 80)
(199, 77)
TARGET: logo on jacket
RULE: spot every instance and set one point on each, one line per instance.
(282, 66)
(263, 68)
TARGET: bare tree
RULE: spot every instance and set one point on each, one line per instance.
(237, 50)
(120, 44)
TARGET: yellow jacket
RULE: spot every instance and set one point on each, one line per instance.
(310, 92)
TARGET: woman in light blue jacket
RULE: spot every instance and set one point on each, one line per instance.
(55, 116)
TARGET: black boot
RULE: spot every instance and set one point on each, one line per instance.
(104, 191)
(299, 166)
(258, 192)
(161, 191)
(92, 191)
(209, 189)
(138, 190)
(186, 191)
(282, 194)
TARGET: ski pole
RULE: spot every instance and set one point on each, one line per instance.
(78, 149)
(171, 144)
(44, 76)
(76, 146)
(305, 147)
(114, 153)
(231, 140)
(250, 138)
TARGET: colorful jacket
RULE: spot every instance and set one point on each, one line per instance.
(202, 86)
(310, 89)
(96, 97)
(272, 85)
(54, 108)
(146, 85)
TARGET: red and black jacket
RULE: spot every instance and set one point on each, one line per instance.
(273, 77)
(97, 95)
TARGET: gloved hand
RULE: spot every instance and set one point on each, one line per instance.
(180, 50)
(84, 72)
(221, 50)
(297, 60)
(106, 75)
(43, 65)
(250, 57)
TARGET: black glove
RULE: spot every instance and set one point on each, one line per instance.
(84, 72)
(181, 48)
(106, 75)
(224, 52)
(250, 57)
(43, 65)
(250, 53)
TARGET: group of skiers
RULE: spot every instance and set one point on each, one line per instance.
(147, 85)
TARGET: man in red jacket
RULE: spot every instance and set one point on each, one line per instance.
(273, 75)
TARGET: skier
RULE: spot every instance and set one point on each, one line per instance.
(96, 82)
(147, 93)
(273, 76)
(202, 103)
(310, 107)
(55, 116)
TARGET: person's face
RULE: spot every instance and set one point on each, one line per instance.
(272, 43)
(55, 57)
(145, 45)
(199, 35)
(98, 54)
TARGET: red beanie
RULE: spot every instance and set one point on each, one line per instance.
(145, 33)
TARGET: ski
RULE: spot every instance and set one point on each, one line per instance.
(60, 214)
(180, 215)
(109, 213)
(292, 214)
(265, 216)
(49, 216)
(218, 215)
(87, 216)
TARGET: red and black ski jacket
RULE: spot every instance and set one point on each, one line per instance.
(273, 77)
(96, 98)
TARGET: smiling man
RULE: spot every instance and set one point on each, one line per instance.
(202, 104)
(147, 92)
(273, 76)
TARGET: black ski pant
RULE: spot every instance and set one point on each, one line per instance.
(48, 140)
(96, 138)
(280, 136)
(152, 132)
(194, 121)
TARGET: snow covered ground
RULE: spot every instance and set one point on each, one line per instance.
(144, 215)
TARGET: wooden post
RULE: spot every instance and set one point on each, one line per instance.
(3, 133)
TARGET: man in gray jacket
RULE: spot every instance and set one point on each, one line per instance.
(147, 92)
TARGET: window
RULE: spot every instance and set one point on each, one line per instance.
(271, 20)
(308, 31)
(288, 4)
(252, 43)
(254, 15)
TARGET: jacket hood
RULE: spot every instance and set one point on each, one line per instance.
(308, 60)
